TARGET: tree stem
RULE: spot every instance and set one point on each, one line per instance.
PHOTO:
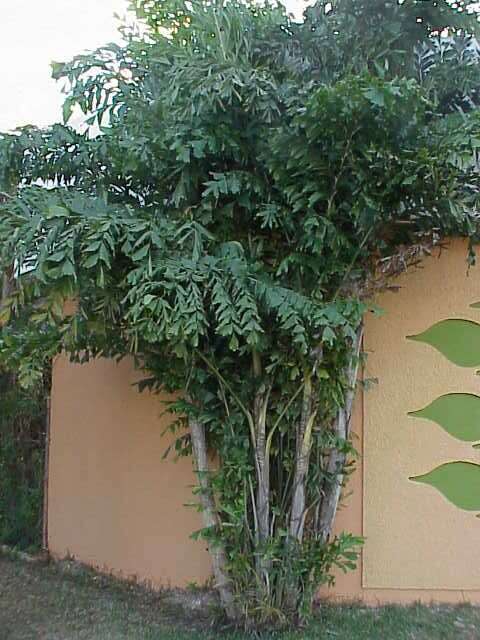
(302, 460)
(210, 517)
(337, 459)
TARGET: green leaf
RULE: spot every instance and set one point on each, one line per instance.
(140, 254)
(457, 413)
(67, 109)
(147, 299)
(91, 261)
(328, 335)
(58, 256)
(198, 147)
(56, 211)
(457, 340)
(57, 69)
(68, 269)
(459, 482)
(375, 96)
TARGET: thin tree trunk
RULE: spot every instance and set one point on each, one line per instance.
(210, 517)
(263, 485)
(260, 406)
(337, 459)
(7, 287)
(6, 284)
(302, 461)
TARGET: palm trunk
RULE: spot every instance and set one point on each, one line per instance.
(210, 517)
(337, 459)
(302, 461)
(7, 287)
(260, 406)
(263, 466)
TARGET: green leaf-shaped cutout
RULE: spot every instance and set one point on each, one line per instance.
(475, 305)
(457, 413)
(457, 340)
(459, 482)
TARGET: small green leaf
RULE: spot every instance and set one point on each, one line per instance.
(140, 254)
(57, 69)
(147, 299)
(67, 109)
(91, 261)
(375, 96)
(328, 335)
(198, 147)
(68, 269)
(457, 413)
(58, 256)
(459, 482)
(457, 340)
(55, 211)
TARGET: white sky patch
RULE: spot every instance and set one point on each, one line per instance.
(33, 33)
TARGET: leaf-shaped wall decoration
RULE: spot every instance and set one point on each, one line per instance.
(459, 482)
(475, 305)
(457, 413)
(457, 340)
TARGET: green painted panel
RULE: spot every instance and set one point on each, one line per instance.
(459, 482)
(457, 413)
(457, 340)
(475, 305)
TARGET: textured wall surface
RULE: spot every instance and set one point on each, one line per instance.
(416, 538)
(115, 504)
(419, 546)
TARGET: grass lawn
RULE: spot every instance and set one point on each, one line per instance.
(39, 602)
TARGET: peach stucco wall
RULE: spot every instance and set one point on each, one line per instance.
(114, 503)
(418, 545)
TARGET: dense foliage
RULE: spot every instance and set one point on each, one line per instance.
(253, 182)
(22, 443)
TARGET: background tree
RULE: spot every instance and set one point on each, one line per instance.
(255, 181)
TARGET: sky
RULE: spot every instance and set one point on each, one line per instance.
(33, 33)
